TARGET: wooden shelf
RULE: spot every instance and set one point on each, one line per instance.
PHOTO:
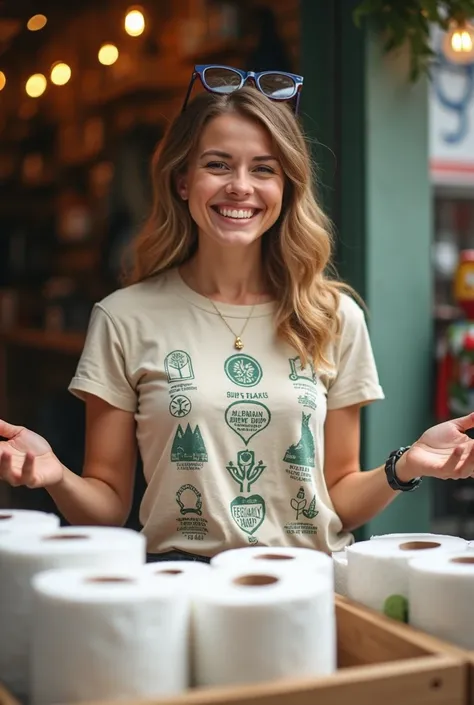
(62, 342)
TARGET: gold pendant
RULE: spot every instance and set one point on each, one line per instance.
(238, 345)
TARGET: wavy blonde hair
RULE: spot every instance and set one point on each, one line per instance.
(296, 250)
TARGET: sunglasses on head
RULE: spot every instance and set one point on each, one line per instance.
(276, 85)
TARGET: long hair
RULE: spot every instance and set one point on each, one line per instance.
(296, 250)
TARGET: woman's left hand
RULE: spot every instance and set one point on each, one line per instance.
(443, 451)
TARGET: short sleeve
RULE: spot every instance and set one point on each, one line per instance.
(356, 380)
(102, 367)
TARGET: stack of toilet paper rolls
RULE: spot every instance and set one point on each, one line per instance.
(365, 557)
(84, 618)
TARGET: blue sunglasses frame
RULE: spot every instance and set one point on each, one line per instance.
(255, 76)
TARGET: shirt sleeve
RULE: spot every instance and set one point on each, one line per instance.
(356, 380)
(102, 367)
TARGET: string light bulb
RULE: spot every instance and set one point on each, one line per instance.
(458, 44)
(3, 80)
(108, 54)
(60, 73)
(36, 85)
(36, 22)
(134, 21)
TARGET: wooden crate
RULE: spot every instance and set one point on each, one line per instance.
(380, 662)
(470, 656)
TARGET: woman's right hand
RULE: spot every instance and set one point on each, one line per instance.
(27, 459)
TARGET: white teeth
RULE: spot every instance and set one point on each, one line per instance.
(234, 213)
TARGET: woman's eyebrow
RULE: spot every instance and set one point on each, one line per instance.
(226, 155)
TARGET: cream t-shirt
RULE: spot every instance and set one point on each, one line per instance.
(232, 442)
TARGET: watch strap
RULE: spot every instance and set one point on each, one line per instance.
(390, 472)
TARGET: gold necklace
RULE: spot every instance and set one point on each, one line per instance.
(238, 344)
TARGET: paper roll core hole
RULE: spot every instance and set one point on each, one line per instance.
(255, 580)
(65, 537)
(467, 560)
(418, 545)
(109, 579)
(6, 516)
(169, 571)
(274, 557)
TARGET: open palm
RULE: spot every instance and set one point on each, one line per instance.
(27, 458)
(444, 451)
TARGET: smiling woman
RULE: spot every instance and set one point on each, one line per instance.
(230, 358)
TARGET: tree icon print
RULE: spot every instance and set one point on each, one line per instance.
(243, 370)
(178, 366)
(177, 360)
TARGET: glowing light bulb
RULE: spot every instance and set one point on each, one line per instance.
(3, 80)
(108, 54)
(60, 73)
(36, 22)
(134, 22)
(36, 85)
(458, 44)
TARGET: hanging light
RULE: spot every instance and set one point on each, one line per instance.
(108, 54)
(36, 22)
(134, 21)
(60, 73)
(36, 85)
(3, 80)
(458, 44)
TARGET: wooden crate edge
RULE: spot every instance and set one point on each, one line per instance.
(428, 671)
(421, 639)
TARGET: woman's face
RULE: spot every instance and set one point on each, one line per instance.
(234, 182)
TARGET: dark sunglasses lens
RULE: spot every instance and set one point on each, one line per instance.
(222, 80)
(277, 86)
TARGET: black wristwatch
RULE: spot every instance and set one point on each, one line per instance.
(392, 478)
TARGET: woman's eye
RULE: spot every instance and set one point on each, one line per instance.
(265, 169)
(216, 165)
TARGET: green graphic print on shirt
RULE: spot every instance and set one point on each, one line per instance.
(243, 370)
(248, 513)
(246, 472)
(302, 452)
(188, 446)
(191, 524)
(247, 418)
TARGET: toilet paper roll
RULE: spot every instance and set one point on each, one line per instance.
(27, 519)
(23, 555)
(340, 572)
(315, 561)
(261, 624)
(377, 570)
(185, 574)
(421, 537)
(102, 635)
(440, 595)
(188, 576)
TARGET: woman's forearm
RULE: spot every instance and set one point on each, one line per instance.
(87, 501)
(359, 496)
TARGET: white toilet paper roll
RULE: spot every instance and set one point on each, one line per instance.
(422, 537)
(261, 624)
(378, 569)
(186, 574)
(259, 556)
(23, 555)
(102, 635)
(440, 595)
(28, 519)
(340, 572)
